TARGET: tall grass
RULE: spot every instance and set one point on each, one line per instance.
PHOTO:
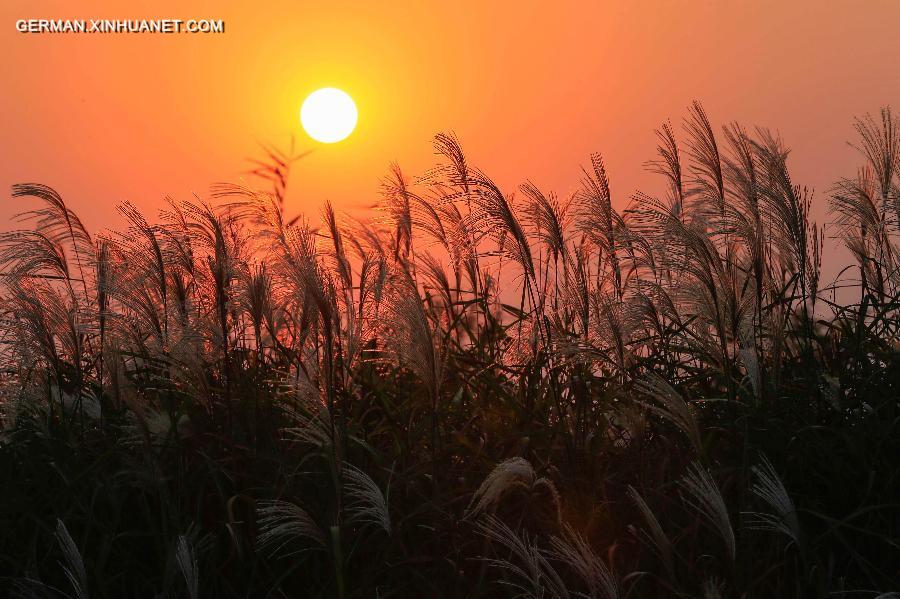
(476, 393)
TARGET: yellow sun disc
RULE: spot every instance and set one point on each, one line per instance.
(328, 115)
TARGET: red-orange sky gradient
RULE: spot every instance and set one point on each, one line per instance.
(531, 89)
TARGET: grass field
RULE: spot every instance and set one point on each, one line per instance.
(474, 393)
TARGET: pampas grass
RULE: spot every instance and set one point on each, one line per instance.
(461, 396)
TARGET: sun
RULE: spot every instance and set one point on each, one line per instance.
(328, 115)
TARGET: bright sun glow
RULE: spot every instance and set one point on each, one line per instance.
(328, 115)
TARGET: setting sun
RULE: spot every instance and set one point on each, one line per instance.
(328, 115)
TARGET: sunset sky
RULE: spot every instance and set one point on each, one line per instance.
(530, 92)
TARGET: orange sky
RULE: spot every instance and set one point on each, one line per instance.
(530, 88)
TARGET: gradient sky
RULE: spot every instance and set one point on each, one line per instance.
(531, 89)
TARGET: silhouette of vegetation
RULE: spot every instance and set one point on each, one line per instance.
(475, 393)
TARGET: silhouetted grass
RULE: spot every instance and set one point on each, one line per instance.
(473, 394)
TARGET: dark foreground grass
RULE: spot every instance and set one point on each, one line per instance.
(472, 395)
